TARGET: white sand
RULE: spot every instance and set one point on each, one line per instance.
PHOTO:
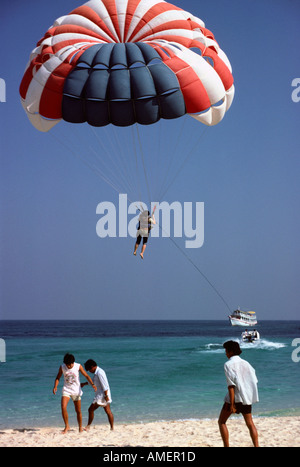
(273, 432)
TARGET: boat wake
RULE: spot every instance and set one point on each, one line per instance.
(262, 344)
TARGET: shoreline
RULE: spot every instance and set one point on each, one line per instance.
(273, 432)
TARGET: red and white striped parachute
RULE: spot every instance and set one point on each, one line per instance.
(126, 61)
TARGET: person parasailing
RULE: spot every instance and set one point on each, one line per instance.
(146, 222)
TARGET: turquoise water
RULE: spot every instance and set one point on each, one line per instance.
(157, 370)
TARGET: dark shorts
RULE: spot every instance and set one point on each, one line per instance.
(139, 238)
(240, 408)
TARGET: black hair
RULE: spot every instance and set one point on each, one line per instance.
(233, 346)
(69, 359)
(89, 364)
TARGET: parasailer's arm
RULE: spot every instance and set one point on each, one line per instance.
(152, 217)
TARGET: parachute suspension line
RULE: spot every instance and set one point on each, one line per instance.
(184, 162)
(197, 269)
(157, 152)
(157, 156)
(91, 161)
(103, 160)
(123, 158)
(104, 177)
(143, 162)
(114, 155)
(136, 165)
(172, 153)
(87, 163)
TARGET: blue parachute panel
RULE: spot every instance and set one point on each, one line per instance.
(121, 83)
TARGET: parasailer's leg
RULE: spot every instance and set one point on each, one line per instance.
(137, 243)
(145, 240)
(143, 250)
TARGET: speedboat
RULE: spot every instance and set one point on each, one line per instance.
(250, 336)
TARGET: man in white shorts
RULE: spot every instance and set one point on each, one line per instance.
(102, 396)
(71, 389)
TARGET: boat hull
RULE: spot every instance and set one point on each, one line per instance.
(241, 322)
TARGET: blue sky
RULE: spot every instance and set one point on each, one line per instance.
(245, 170)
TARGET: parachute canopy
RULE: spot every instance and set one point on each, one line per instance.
(126, 61)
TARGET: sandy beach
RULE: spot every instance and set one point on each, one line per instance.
(273, 432)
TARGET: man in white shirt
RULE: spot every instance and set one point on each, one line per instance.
(102, 396)
(242, 391)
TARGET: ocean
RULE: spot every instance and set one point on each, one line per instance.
(157, 370)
